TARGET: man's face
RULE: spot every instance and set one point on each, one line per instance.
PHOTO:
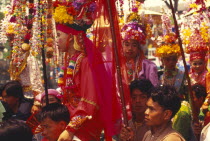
(170, 62)
(65, 41)
(154, 114)
(52, 129)
(51, 98)
(138, 100)
(131, 48)
(198, 65)
(10, 100)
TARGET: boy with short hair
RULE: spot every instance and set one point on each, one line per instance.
(140, 93)
(54, 119)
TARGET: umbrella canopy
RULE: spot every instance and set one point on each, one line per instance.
(149, 12)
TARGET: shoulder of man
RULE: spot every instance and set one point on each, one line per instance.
(174, 136)
(147, 136)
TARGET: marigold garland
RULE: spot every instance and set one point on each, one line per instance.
(167, 50)
(61, 15)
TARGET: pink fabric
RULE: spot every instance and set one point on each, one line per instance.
(52, 92)
(38, 97)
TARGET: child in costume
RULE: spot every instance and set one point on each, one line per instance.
(133, 35)
(83, 78)
(197, 48)
(169, 52)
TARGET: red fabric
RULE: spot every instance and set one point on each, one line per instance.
(104, 42)
(197, 55)
(206, 120)
(91, 129)
(44, 139)
(66, 29)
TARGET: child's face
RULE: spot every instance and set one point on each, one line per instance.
(198, 65)
(63, 38)
(52, 129)
(169, 62)
(131, 48)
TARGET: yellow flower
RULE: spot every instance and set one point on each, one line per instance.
(61, 16)
(204, 32)
(194, 5)
(168, 49)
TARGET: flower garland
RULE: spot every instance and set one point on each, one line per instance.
(167, 50)
(168, 46)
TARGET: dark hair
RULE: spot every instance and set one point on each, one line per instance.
(144, 85)
(12, 130)
(200, 91)
(13, 88)
(167, 97)
(56, 112)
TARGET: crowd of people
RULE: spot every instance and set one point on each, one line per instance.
(161, 106)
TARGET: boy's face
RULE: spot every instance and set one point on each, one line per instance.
(52, 129)
(169, 62)
(131, 48)
(139, 100)
(65, 41)
(155, 115)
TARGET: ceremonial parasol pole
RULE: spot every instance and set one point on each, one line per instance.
(44, 61)
(119, 77)
(195, 118)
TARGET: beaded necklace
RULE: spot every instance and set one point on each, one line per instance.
(65, 78)
(169, 77)
(198, 78)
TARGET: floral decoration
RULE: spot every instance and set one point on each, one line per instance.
(80, 12)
